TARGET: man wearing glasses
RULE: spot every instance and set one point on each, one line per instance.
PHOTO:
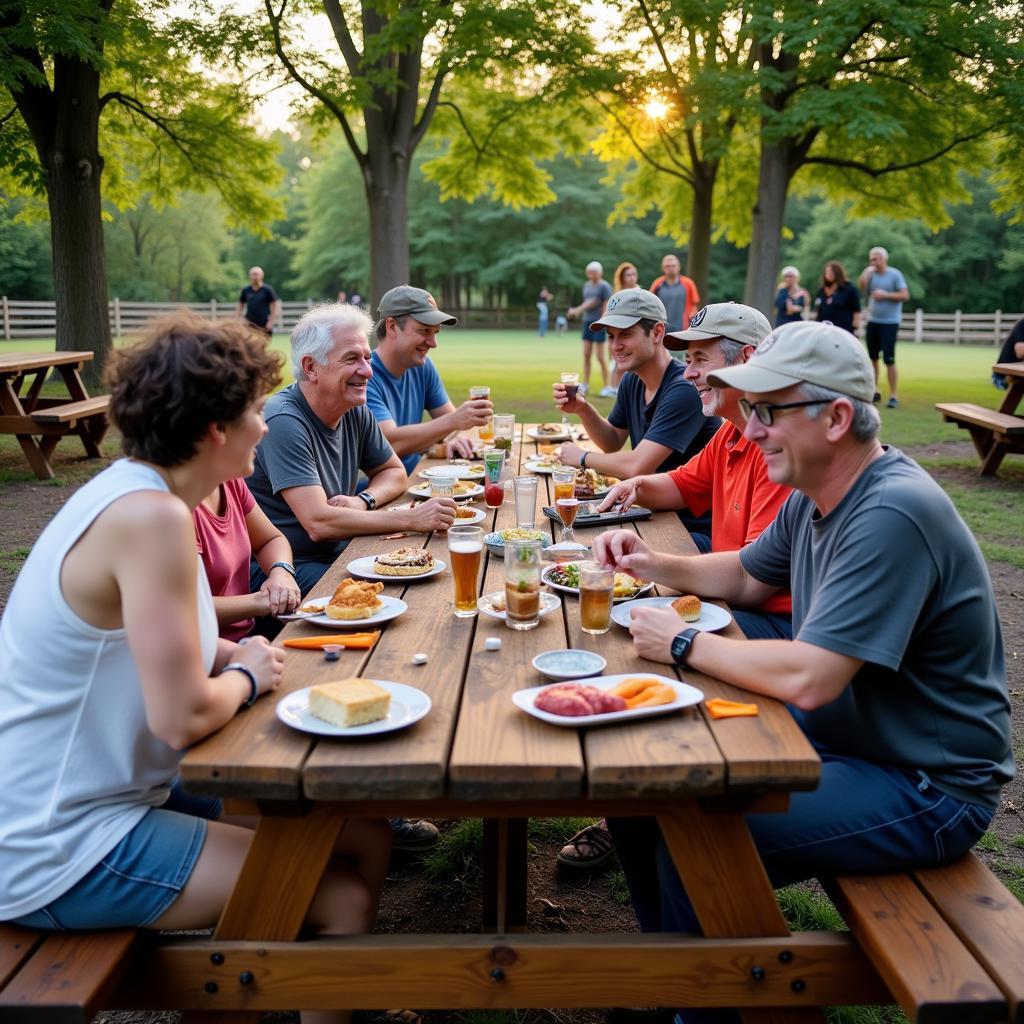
(895, 671)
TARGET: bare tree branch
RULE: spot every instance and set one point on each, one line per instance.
(465, 127)
(336, 16)
(432, 101)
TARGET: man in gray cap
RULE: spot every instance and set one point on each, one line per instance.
(896, 668)
(657, 409)
(405, 382)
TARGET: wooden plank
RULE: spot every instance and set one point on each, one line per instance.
(69, 411)
(16, 946)
(932, 975)
(986, 917)
(998, 422)
(22, 362)
(68, 978)
(542, 971)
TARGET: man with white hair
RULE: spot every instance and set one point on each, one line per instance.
(596, 292)
(886, 289)
(895, 671)
(259, 301)
(320, 436)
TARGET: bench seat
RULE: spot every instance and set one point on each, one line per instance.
(68, 412)
(994, 433)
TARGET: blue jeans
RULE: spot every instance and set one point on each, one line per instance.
(542, 324)
(863, 817)
(758, 625)
(701, 541)
(307, 575)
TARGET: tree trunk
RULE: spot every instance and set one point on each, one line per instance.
(766, 239)
(386, 178)
(73, 169)
(698, 252)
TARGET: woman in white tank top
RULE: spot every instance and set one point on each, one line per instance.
(112, 666)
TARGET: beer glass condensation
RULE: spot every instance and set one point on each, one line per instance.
(465, 548)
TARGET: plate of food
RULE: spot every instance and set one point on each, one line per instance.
(550, 432)
(493, 604)
(592, 484)
(407, 563)
(353, 603)
(694, 612)
(464, 490)
(467, 515)
(603, 700)
(465, 469)
(353, 707)
(496, 541)
(566, 577)
(542, 464)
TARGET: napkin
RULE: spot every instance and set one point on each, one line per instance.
(358, 641)
(719, 708)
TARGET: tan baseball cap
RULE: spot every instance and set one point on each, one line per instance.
(811, 352)
(415, 302)
(625, 308)
(729, 320)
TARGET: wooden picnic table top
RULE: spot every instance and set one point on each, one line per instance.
(1009, 369)
(24, 362)
(474, 745)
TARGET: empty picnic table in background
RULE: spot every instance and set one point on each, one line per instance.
(40, 422)
(995, 432)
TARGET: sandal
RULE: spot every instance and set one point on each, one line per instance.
(590, 848)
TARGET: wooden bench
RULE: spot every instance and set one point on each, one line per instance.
(948, 941)
(70, 412)
(61, 977)
(994, 433)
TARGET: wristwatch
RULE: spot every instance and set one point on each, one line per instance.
(681, 645)
(583, 459)
(287, 566)
(371, 501)
(254, 687)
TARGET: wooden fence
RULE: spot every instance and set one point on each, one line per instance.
(28, 319)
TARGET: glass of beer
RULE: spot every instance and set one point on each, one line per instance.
(571, 382)
(597, 585)
(486, 430)
(494, 489)
(564, 480)
(522, 583)
(526, 501)
(567, 509)
(465, 547)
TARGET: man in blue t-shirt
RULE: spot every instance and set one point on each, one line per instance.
(886, 290)
(405, 383)
(657, 409)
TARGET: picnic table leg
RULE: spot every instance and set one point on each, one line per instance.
(275, 888)
(1013, 396)
(727, 884)
(504, 860)
(11, 405)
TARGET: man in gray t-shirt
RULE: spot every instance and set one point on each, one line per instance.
(320, 436)
(896, 668)
(596, 293)
(886, 291)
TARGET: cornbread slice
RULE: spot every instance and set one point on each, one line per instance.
(349, 702)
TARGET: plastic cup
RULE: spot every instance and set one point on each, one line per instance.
(494, 488)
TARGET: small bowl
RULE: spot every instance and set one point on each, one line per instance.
(569, 664)
(496, 543)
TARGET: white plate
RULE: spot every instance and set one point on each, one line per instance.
(712, 617)
(363, 567)
(463, 471)
(423, 491)
(534, 467)
(392, 608)
(478, 516)
(575, 590)
(563, 435)
(408, 705)
(547, 662)
(686, 696)
(548, 603)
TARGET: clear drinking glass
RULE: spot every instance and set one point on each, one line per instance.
(526, 501)
(564, 480)
(465, 547)
(572, 383)
(494, 489)
(504, 432)
(486, 430)
(443, 485)
(522, 583)
(597, 585)
(567, 509)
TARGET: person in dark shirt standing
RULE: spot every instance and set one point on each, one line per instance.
(258, 302)
(837, 301)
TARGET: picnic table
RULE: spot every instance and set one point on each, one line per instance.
(995, 432)
(39, 423)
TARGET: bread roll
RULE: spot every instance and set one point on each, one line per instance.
(688, 606)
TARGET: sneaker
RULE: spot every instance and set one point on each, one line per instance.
(608, 392)
(412, 836)
(583, 388)
(892, 403)
(588, 850)
(877, 398)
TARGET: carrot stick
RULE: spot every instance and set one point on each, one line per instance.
(357, 641)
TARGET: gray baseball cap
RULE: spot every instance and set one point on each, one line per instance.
(415, 302)
(730, 320)
(625, 308)
(808, 351)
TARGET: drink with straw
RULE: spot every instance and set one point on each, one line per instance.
(564, 480)
(522, 583)
(486, 430)
(465, 547)
(596, 588)
(494, 489)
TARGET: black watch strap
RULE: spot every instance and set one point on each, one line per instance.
(371, 501)
(681, 645)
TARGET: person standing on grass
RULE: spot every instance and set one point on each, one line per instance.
(543, 311)
(596, 292)
(791, 301)
(886, 289)
(1011, 352)
(678, 293)
(626, 276)
(837, 301)
(258, 303)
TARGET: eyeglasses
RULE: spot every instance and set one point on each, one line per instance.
(765, 411)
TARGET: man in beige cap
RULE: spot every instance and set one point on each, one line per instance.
(405, 383)
(657, 409)
(896, 668)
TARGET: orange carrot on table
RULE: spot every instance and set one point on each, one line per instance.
(357, 641)
(719, 708)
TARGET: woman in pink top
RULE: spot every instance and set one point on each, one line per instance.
(230, 530)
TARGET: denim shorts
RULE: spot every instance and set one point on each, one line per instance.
(140, 877)
(590, 335)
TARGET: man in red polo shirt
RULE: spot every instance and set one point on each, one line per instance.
(728, 475)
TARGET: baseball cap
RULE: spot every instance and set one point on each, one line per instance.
(625, 308)
(415, 302)
(729, 320)
(811, 352)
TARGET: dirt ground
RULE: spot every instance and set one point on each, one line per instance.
(413, 903)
